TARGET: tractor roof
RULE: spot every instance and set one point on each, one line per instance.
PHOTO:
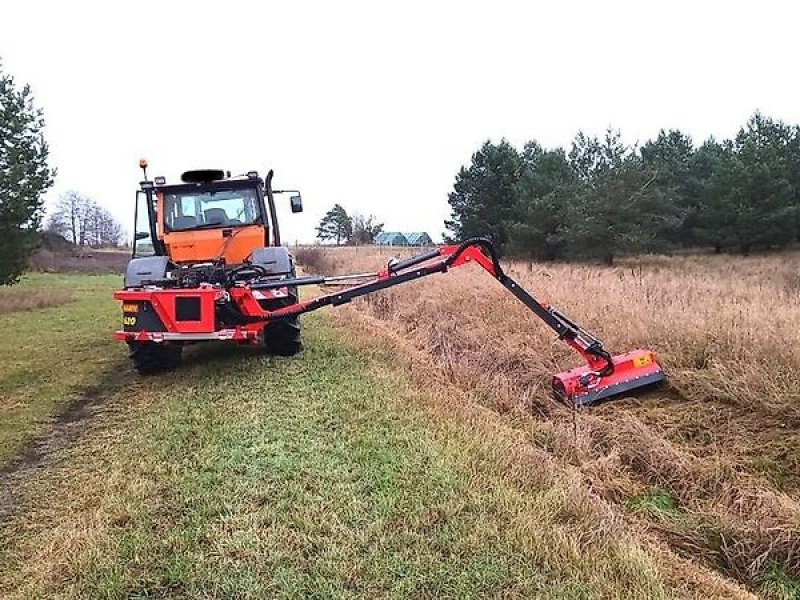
(204, 178)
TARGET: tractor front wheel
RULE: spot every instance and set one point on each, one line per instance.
(282, 337)
(150, 358)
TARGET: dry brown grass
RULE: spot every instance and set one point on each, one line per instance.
(325, 260)
(66, 260)
(722, 441)
(26, 298)
(313, 258)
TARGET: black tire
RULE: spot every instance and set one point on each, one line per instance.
(150, 358)
(282, 337)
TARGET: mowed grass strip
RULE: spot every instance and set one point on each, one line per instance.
(247, 476)
(49, 355)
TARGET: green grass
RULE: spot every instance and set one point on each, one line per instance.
(319, 476)
(654, 501)
(775, 582)
(49, 356)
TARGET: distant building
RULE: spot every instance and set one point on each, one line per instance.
(396, 238)
(391, 238)
(419, 238)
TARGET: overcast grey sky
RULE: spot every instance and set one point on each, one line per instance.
(376, 105)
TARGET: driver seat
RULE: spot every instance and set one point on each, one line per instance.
(216, 215)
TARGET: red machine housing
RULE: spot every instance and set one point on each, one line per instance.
(199, 321)
(632, 370)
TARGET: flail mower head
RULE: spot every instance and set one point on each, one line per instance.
(620, 374)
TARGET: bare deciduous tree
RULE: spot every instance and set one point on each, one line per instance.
(365, 229)
(83, 221)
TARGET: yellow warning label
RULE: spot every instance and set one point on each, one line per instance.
(130, 307)
(641, 361)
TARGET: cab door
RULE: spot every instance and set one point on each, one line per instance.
(143, 241)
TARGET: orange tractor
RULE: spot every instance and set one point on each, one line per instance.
(208, 264)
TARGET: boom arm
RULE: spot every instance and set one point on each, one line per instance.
(439, 260)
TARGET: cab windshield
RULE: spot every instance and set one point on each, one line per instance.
(211, 208)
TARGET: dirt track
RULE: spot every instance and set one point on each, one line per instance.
(41, 451)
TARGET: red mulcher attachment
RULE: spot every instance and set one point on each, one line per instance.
(604, 375)
(586, 385)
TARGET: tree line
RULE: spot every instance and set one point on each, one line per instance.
(602, 198)
(341, 228)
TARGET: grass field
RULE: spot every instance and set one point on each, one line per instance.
(247, 476)
(406, 452)
(52, 352)
(710, 464)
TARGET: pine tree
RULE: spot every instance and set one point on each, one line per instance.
(24, 177)
(712, 171)
(544, 191)
(763, 198)
(793, 175)
(483, 200)
(335, 225)
(618, 208)
(669, 158)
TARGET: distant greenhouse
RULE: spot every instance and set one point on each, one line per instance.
(396, 238)
(391, 238)
(419, 238)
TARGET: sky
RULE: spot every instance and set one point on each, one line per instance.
(376, 105)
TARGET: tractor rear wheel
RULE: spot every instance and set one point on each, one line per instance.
(150, 358)
(282, 337)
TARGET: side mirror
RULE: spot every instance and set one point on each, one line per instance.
(142, 235)
(296, 202)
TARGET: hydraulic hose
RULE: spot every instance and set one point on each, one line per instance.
(484, 243)
(596, 348)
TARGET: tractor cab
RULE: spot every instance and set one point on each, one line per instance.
(208, 216)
